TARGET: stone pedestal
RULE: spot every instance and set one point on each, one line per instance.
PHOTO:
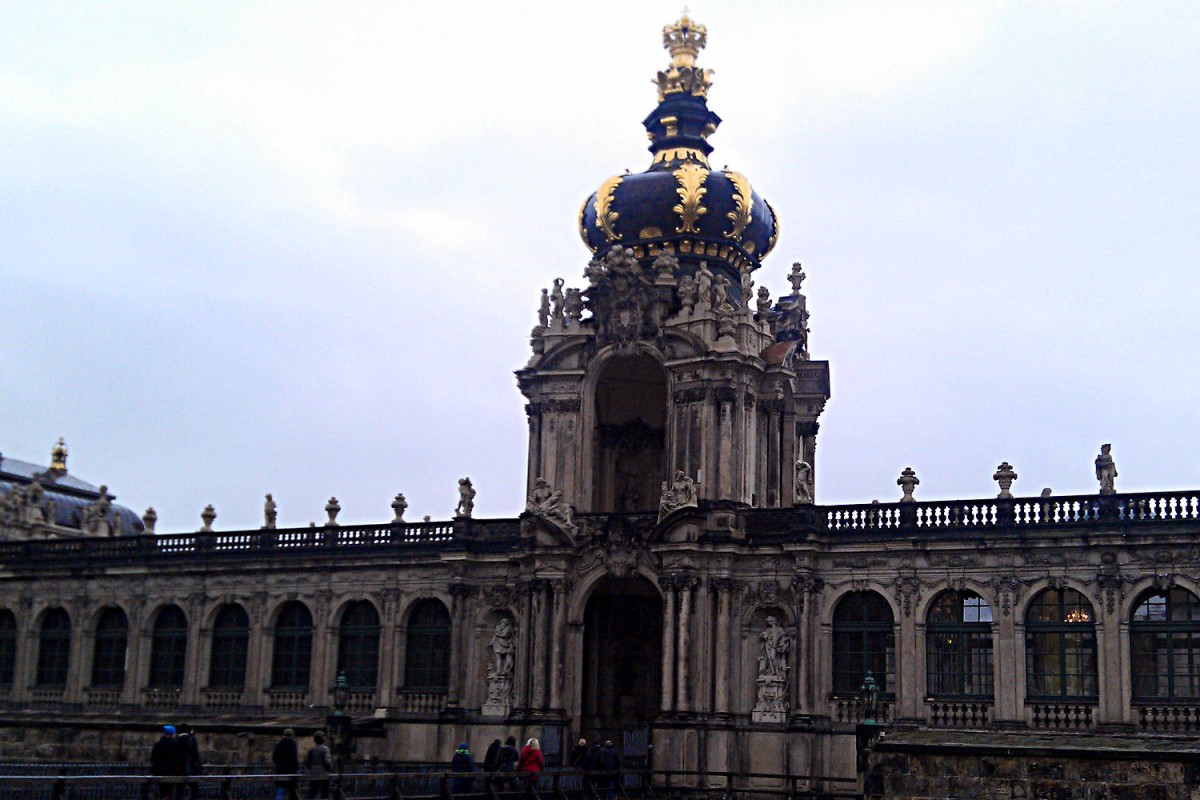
(772, 705)
(499, 697)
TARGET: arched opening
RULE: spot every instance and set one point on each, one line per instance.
(622, 658)
(630, 436)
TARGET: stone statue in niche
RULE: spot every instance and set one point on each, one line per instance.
(772, 703)
(680, 493)
(269, 512)
(804, 483)
(502, 651)
(502, 647)
(466, 498)
(550, 505)
(1106, 470)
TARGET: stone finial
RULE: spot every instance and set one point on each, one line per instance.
(332, 508)
(466, 498)
(665, 264)
(399, 505)
(1046, 492)
(573, 306)
(907, 482)
(150, 519)
(796, 278)
(269, 513)
(58, 458)
(1005, 476)
(1106, 470)
(764, 302)
(427, 518)
(208, 515)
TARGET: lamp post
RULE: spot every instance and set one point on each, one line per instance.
(340, 726)
(869, 692)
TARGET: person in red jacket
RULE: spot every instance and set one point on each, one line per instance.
(530, 763)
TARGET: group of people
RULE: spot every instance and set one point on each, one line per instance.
(506, 769)
(176, 755)
(318, 764)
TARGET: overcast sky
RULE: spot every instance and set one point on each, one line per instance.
(297, 247)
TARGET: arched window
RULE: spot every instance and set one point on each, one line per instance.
(54, 649)
(1164, 641)
(292, 660)
(427, 649)
(230, 643)
(958, 646)
(863, 641)
(108, 654)
(168, 649)
(358, 646)
(1060, 646)
(8, 647)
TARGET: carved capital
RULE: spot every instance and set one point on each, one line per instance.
(725, 394)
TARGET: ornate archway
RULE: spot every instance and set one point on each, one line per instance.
(622, 657)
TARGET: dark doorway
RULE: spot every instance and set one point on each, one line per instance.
(631, 419)
(622, 657)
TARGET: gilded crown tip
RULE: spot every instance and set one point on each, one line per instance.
(684, 39)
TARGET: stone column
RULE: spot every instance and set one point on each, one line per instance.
(558, 637)
(682, 688)
(459, 592)
(726, 396)
(324, 650)
(723, 586)
(256, 649)
(540, 654)
(668, 663)
(1007, 659)
(78, 657)
(388, 648)
(197, 634)
(524, 661)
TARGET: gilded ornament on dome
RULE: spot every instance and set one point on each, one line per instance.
(605, 217)
(691, 191)
(743, 201)
(583, 226)
(680, 154)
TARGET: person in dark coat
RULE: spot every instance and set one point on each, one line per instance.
(610, 763)
(592, 763)
(167, 760)
(578, 754)
(189, 749)
(286, 758)
(491, 761)
(506, 762)
(462, 762)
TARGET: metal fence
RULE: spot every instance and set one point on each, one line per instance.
(431, 785)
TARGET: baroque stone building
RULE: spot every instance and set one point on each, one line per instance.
(673, 579)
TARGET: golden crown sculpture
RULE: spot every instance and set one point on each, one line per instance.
(684, 40)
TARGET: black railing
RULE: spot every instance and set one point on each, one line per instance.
(1146, 509)
(437, 785)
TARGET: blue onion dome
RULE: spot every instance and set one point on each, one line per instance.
(680, 204)
(32, 497)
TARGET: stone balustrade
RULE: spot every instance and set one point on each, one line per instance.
(410, 702)
(1060, 716)
(287, 699)
(1168, 718)
(958, 713)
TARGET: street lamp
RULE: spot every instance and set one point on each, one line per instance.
(340, 726)
(869, 692)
